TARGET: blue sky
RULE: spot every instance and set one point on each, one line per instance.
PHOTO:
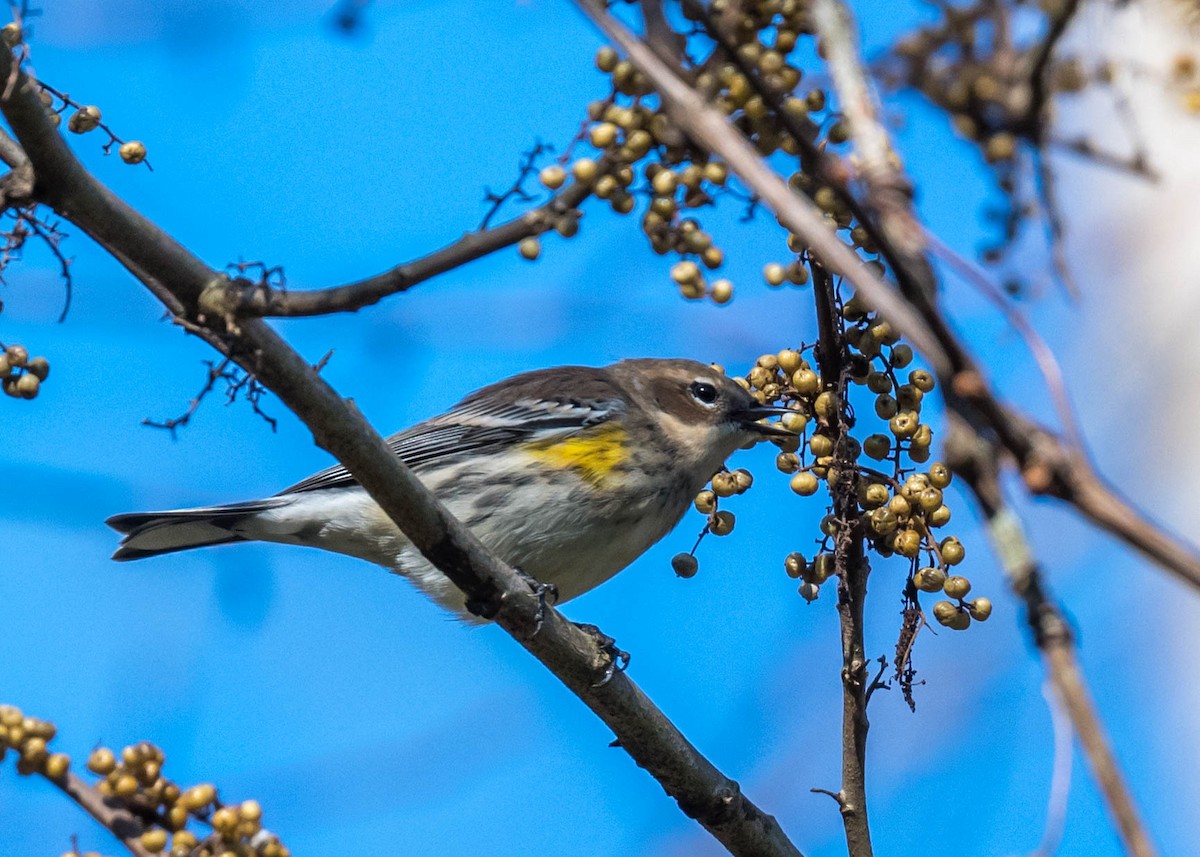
(351, 708)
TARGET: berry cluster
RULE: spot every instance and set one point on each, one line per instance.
(85, 118)
(134, 779)
(900, 506)
(644, 154)
(135, 776)
(720, 521)
(21, 376)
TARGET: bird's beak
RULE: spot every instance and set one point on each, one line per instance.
(748, 418)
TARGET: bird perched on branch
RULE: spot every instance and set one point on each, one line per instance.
(568, 474)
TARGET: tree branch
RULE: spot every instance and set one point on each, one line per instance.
(247, 300)
(123, 824)
(852, 569)
(973, 458)
(193, 291)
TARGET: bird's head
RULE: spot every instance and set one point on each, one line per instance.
(702, 412)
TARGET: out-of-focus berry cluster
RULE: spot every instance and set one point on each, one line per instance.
(174, 818)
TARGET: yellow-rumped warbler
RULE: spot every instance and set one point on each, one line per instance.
(568, 474)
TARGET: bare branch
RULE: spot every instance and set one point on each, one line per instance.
(250, 300)
(184, 283)
(889, 190)
(974, 458)
(1047, 363)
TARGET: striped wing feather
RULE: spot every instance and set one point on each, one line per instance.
(479, 425)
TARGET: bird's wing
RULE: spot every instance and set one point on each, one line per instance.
(480, 426)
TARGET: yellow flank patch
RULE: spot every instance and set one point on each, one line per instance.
(593, 452)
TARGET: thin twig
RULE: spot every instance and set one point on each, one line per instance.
(247, 300)
(889, 191)
(1060, 778)
(1044, 357)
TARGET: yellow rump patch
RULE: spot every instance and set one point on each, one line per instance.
(593, 452)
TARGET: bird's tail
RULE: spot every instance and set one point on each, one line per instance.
(153, 533)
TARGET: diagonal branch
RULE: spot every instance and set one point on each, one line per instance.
(974, 458)
(186, 285)
(889, 191)
(257, 300)
(124, 825)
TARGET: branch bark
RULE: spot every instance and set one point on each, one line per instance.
(852, 569)
(254, 300)
(122, 823)
(973, 458)
(889, 192)
(194, 293)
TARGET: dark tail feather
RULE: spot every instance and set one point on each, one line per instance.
(153, 533)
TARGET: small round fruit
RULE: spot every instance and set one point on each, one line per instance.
(921, 379)
(809, 592)
(883, 520)
(952, 550)
(823, 568)
(84, 119)
(794, 564)
(939, 475)
(530, 248)
(154, 840)
(685, 565)
(981, 609)
(929, 579)
(805, 483)
(929, 499)
(820, 445)
(875, 495)
(903, 424)
(951, 616)
(553, 176)
(133, 152)
(878, 446)
(806, 382)
(102, 761)
(957, 586)
(908, 543)
(721, 523)
(826, 406)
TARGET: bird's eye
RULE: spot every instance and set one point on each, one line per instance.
(703, 392)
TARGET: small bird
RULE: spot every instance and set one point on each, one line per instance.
(567, 474)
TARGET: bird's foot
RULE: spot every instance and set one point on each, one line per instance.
(615, 659)
(547, 593)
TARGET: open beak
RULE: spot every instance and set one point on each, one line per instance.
(748, 418)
